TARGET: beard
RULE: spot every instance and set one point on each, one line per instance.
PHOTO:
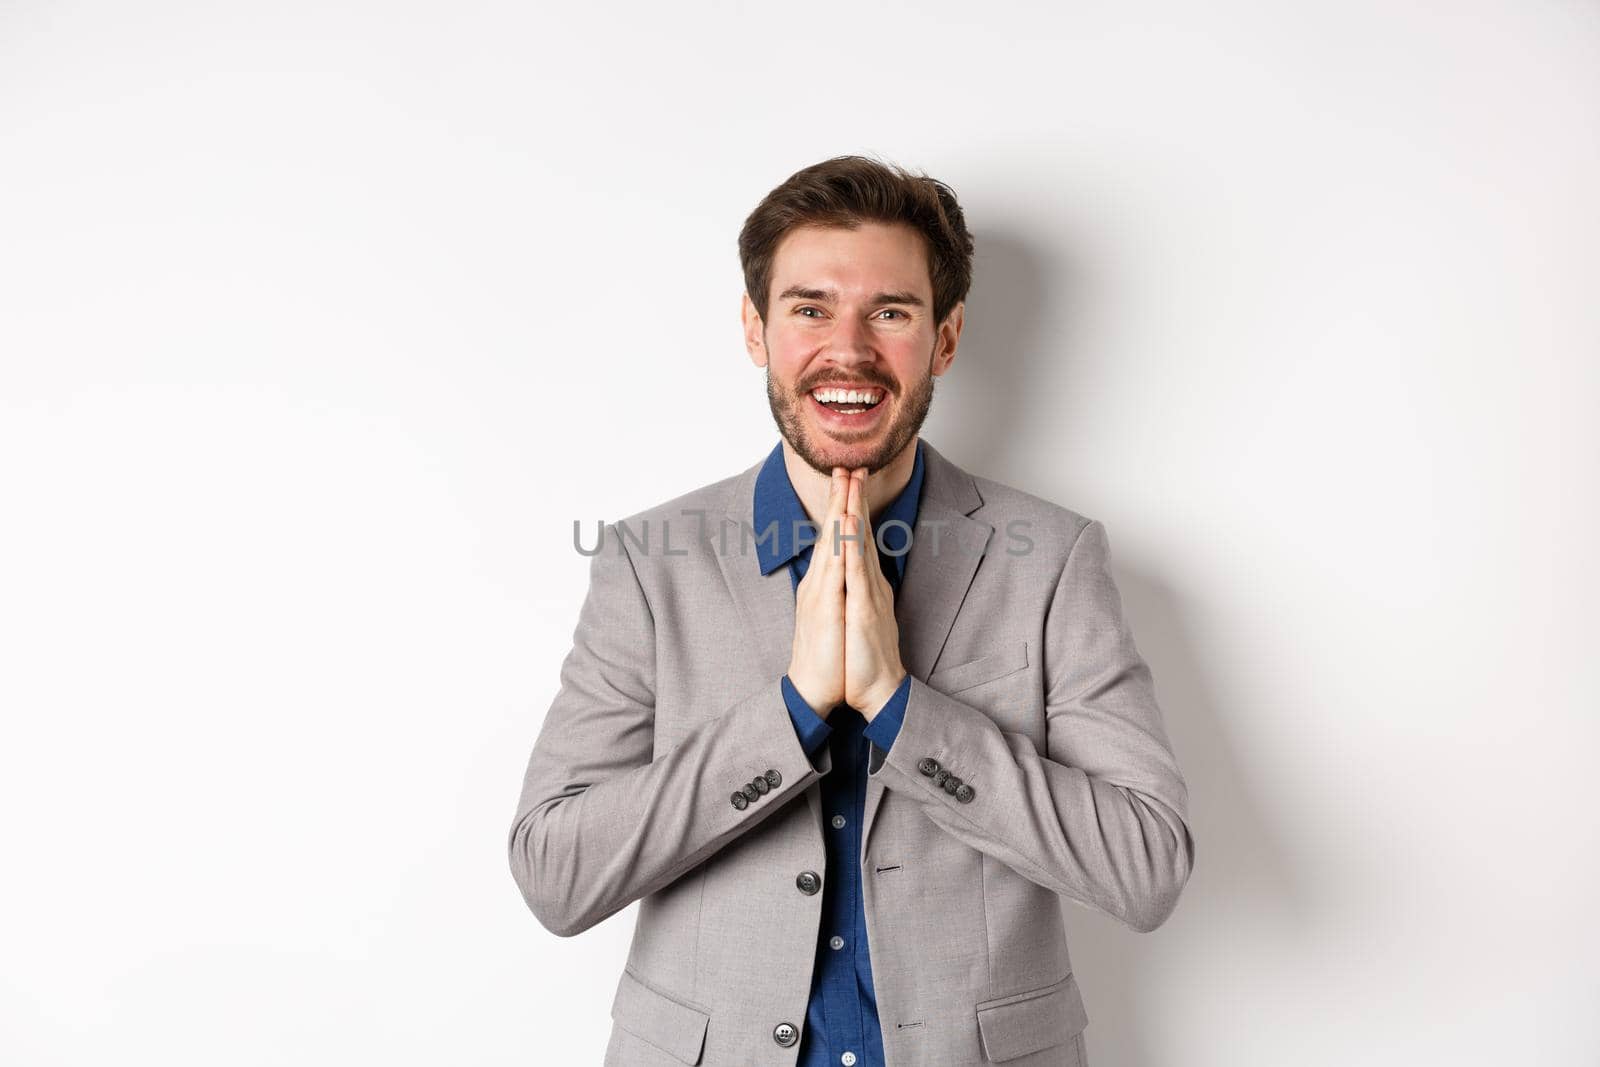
(822, 452)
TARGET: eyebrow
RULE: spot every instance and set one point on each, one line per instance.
(800, 292)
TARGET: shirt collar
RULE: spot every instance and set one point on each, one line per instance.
(777, 505)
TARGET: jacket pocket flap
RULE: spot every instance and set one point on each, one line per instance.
(1027, 1022)
(672, 1027)
(983, 669)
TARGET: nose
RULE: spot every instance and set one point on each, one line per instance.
(850, 342)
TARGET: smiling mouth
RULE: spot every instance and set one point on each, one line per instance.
(848, 401)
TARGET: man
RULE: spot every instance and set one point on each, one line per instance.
(961, 705)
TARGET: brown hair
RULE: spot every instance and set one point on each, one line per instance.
(846, 191)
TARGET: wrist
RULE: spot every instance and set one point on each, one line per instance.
(875, 699)
(809, 695)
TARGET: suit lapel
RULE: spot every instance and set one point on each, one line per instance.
(946, 548)
(765, 601)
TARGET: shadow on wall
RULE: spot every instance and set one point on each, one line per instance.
(1015, 376)
(1242, 890)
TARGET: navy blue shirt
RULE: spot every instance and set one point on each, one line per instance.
(842, 1013)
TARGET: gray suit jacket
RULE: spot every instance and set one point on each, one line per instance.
(1026, 686)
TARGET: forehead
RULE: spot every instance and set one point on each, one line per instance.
(874, 256)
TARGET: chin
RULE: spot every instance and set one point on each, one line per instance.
(830, 452)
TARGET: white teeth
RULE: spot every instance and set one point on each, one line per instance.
(848, 396)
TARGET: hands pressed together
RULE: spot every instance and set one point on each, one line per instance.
(846, 639)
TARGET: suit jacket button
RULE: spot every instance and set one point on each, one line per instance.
(941, 776)
(740, 802)
(774, 779)
(809, 882)
(964, 793)
(785, 1034)
(749, 792)
(927, 765)
(762, 785)
(951, 784)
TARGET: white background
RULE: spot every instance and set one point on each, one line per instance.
(321, 323)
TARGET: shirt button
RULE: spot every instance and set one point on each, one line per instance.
(836, 942)
(838, 822)
(848, 1059)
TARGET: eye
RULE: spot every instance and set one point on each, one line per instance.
(893, 311)
(804, 308)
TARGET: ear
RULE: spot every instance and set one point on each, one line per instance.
(752, 330)
(944, 345)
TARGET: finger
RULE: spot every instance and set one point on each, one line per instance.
(854, 553)
(816, 574)
(869, 545)
(832, 523)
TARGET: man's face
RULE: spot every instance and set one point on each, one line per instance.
(851, 309)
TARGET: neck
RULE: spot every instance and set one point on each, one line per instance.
(881, 486)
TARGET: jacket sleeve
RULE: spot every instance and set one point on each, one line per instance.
(1100, 817)
(602, 820)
